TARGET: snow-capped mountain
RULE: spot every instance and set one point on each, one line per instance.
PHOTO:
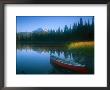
(38, 30)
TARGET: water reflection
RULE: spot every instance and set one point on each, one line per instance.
(33, 59)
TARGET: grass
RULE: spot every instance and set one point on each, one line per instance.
(83, 48)
(81, 44)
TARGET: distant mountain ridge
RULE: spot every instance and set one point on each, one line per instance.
(38, 30)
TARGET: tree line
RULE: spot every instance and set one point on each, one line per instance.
(81, 31)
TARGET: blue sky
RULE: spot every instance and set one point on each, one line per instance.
(31, 23)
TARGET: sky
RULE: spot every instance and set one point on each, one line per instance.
(31, 23)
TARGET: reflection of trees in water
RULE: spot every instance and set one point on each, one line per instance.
(77, 56)
(50, 50)
(68, 54)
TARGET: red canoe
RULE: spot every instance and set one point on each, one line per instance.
(80, 69)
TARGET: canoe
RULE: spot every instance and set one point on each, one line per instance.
(78, 68)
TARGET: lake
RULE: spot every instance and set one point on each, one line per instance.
(35, 59)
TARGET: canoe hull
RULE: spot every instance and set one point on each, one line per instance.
(79, 69)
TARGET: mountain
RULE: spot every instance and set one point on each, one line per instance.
(39, 30)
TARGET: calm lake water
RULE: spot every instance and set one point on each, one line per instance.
(32, 59)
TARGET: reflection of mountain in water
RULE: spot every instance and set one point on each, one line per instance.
(52, 50)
